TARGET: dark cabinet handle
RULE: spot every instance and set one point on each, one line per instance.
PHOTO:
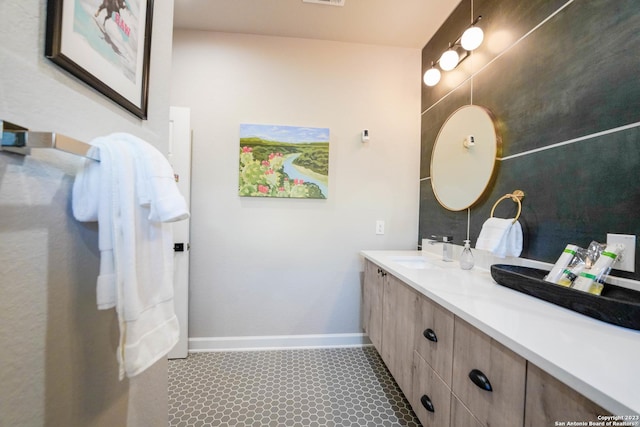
(384, 274)
(480, 379)
(430, 335)
(427, 403)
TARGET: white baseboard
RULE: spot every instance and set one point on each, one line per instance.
(277, 342)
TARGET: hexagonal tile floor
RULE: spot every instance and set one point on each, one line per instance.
(311, 387)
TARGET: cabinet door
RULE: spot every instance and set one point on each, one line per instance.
(434, 337)
(478, 357)
(398, 325)
(549, 400)
(431, 398)
(372, 289)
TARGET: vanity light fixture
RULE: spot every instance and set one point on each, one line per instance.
(472, 38)
(432, 76)
(449, 59)
(458, 51)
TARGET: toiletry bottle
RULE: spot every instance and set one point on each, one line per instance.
(575, 267)
(466, 258)
(561, 264)
(569, 275)
(592, 281)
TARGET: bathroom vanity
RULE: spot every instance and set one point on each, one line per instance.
(468, 352)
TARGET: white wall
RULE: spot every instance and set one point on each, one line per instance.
(58, 351)
(278, 267)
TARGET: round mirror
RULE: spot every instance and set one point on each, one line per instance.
(464, 157)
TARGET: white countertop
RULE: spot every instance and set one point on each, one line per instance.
(599, 360)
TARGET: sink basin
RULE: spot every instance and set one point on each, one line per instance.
(416, 262)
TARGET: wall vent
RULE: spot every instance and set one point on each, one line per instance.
(327, 2)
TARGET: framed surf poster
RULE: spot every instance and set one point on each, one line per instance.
(106, 44)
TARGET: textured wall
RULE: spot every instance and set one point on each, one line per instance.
(57, 350)
(264, 267)
(567, 100)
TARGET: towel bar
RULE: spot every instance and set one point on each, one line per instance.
(516, 196)
(18, 139)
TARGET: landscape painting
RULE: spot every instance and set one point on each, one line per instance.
(284, 161)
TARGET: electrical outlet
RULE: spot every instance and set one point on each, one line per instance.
(379, 226)
(628, 260)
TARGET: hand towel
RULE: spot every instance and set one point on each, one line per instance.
(501, 236)
(514, 240)
(136, 262)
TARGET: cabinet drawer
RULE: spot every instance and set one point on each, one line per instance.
(434, 337)
(479, 360)
(460, 415)
(431, 398)
(549, 400)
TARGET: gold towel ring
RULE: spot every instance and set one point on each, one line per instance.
(516, 196)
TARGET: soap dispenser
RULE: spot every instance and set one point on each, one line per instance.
(466, 258)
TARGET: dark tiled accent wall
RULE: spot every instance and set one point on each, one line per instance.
(576, 76)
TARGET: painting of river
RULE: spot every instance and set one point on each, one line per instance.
(284, 161)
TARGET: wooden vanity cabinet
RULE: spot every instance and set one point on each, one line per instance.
(388, 317)
(433, 337)
(460, 415)
(372, 291)
(467, 355)
(488, 377)
(431, 352)
(432, 363)
(431, 396)
(398, 324)
(549, 400)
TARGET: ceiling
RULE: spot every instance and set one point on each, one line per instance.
(401, 23)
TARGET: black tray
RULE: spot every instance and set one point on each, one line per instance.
(617, 305)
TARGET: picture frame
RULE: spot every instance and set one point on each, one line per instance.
(106, 44)
(279, 161)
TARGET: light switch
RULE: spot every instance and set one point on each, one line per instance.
(628, 260)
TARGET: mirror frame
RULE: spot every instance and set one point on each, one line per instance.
(456, 167)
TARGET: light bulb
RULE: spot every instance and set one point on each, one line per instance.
(432, 76)
(449, 60)
(472, 38)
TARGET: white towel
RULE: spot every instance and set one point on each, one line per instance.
(86, 190)
(91, 201)
(136, 254)
(514, 240)
(156, 183)
(502, 237)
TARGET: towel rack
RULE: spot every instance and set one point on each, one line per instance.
(516, 196)
(18, 139)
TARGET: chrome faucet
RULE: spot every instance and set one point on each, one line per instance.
(447, 246)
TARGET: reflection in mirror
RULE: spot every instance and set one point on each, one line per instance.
(464, 157)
